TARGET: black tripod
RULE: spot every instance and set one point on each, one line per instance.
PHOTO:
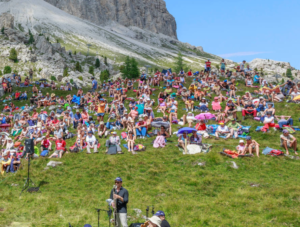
(26, 185)
(109, 212)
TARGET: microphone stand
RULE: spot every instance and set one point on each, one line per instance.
(147, 211)
(108, 212)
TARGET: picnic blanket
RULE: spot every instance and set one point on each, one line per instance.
(196, 149)
(212, 130)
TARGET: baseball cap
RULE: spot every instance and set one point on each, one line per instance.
(119, 179)
(241, 141)
(160, 213)
(248, 138)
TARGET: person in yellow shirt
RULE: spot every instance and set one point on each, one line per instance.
(189, 104)
(101, 110)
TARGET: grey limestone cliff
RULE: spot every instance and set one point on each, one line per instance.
(150, 15)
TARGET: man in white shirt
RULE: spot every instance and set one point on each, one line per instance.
(222, 130)
(91, 143)
(269, 122)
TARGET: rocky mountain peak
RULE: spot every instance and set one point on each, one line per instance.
(151, 15)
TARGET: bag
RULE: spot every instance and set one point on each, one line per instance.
(44, 153)
(139, 147)
(276, 153)
(17, 144)
(74, 149)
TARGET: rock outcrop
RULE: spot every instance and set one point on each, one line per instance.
(6, 20)
(150, 15)
(273, 67)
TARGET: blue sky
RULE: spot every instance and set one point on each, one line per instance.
(241, 30)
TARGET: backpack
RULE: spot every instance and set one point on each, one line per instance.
(276, 153)
(44, 153)
(139, 147)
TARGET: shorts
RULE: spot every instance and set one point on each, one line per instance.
(58, 151)
(190, 121)
(100, 114)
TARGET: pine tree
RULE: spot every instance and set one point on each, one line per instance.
(78, 67)
(134, 70)
(105, 60)
(75, 52)
(7, 70)
(289, 73)
(2, 30)
(179, 65)
(104, 75)
(91, 70)
(70, 53)
(13, 55)
(65, 74)
(31, 39)
(127, 67)
(97, 63)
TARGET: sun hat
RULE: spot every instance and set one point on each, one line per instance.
(241, 141)
(114, 133)
(155, 220)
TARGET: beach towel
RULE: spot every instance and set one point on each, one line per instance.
(76, 99)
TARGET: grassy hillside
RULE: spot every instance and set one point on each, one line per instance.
(264, 191)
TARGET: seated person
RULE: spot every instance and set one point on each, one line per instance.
(114, 140)
(141, 128)
(201, 129)
(189, 105)
(288, 141)
(230, 113)
(60, 147)
(268, 122)
(182, 140)
(222, 130)
(196, 139)
(241, 147)
(5, 164)
(251, 146)
(249, 110)
(234, 127)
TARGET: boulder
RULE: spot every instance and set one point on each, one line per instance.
(54, 163)
(7, 20)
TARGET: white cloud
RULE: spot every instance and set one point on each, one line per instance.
(241, 54)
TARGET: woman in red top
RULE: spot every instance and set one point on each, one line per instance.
(201, 129)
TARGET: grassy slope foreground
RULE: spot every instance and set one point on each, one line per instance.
(264, 191)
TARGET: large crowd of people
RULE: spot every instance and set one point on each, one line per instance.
(107, 113)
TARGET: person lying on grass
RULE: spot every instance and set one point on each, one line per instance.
(288, 141)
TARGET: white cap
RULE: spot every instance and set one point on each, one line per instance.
(241, 141)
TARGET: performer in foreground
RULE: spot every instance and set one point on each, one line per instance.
(120, 196)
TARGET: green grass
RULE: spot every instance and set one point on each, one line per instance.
(190, 195)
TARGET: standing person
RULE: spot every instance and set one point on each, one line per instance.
(162, 216)
(94, 84)
(208, 65)
(122, 196)
(223, 66)
(30, 74)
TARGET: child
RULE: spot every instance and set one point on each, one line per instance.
(240, 148)
(130, 142)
